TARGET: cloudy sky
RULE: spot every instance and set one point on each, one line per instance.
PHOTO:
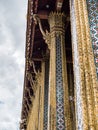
(12, 46)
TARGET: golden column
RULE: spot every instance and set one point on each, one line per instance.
(59, 111)
(86, 92)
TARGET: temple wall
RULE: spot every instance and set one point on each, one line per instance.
(59, 104)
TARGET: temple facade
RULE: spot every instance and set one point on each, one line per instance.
(61, 67)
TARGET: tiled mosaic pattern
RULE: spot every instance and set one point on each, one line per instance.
(46, 95)
(92, 6)
(60, 123)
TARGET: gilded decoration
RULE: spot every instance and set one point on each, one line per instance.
(84, 68)
(36, 80)
(46, 34)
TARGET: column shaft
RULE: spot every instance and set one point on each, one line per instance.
(84, 60)
(59, 98)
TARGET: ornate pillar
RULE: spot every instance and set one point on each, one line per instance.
(86, 92)
(59, 115)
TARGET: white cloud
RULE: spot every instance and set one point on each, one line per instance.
(12, 46)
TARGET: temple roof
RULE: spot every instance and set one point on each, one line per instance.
(35, 44)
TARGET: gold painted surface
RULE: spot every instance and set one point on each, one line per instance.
(81, 66)
(32, 123)
(94, 82)
(52, 89)
(41, 117)
(89, 91)
(86, 69)
(35, 118)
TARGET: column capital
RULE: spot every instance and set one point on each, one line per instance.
(57, 22)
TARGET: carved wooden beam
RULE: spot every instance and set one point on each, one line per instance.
(43, 14)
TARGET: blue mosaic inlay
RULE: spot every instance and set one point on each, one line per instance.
(92, 6)
(46, 88)
(60, 122)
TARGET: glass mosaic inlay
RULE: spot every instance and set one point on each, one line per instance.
(46, 95)
(92, 6)
(60, 123)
